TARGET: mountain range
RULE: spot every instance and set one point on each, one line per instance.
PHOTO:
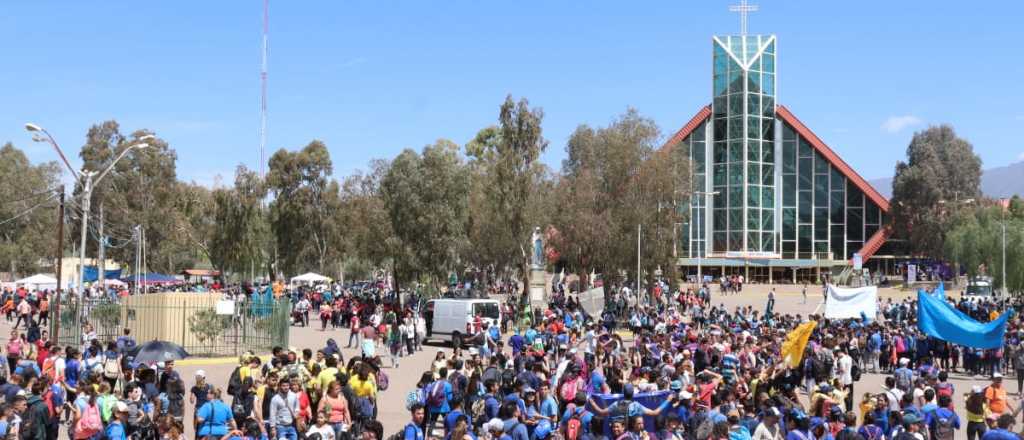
(1001, 182)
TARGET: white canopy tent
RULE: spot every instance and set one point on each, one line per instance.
(38, 281)
(112, 282)
(309, 278)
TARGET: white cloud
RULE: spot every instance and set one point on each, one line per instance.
(896, 124)
(1020, 157)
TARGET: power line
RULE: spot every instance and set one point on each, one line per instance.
(29, 210)
(31, 196)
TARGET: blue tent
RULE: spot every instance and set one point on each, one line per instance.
(152, 278)
(92, 274)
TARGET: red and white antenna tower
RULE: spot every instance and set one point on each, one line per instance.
(263, 88)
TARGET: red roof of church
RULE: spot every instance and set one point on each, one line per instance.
(787, 116)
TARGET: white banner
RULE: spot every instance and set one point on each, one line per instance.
(850, 303)
(593, 301)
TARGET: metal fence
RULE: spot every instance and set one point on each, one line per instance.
(190, 321)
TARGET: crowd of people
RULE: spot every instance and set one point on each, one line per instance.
(679, 368)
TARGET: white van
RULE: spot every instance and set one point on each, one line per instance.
(447, 319)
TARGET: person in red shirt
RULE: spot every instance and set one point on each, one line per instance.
(707, 388)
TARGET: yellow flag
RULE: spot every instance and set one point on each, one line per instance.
(796, 341)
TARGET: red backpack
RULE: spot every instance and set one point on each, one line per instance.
(944, 389)
(574, 426)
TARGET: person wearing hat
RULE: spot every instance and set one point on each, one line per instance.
(975, 408)
(769, 428)
(495, 427)
(911, 428)
(904, 376)
(115, 429)
(995, 394)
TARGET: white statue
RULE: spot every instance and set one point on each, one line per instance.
(537, 258)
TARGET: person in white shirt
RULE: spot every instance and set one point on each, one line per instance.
(769, 428)
(845, 364)
(321, 427)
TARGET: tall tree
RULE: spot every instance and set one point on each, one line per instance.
(142, 189)
(941, 170)
(506, 178)
(241, 238)
(306, 202)
(975, 241)
(28, 228)
(613, 180)
(425, 197)
(364, 218)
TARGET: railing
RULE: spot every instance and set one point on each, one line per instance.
(189, 320)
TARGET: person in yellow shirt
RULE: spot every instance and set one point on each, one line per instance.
(362, 384)
(328, 374)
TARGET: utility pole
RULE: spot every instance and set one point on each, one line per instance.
(638, 261)
(138, 256)
(1003, 224)
(55, 300)
(101, 266)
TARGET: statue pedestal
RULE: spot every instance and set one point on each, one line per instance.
(538, 289)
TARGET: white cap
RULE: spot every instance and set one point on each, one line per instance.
(904, 361)
(997, 375)
(200, 373)
(120, 407)
(495, 425)
(473, 351)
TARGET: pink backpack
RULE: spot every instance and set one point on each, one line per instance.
(90, 424)
(569, 387)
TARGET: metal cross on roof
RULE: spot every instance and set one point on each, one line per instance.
(743, 9)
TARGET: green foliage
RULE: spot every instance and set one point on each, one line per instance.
(29, 239)
(975, 241)
(614, 179)
(142, 189)
(242, 235)
(425, 197)
(506, 185)
(306, 204)
(107, 315)
(207, 325)
(941, 171)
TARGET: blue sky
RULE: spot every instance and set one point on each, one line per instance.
(370, 78)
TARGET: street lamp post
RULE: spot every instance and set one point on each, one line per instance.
(87, 181)
(707, 195)
(1005, 291)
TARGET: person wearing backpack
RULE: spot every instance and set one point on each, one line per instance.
(86, 419)
(437, 394)
(942, 422)
(575, 421)
(37, 417)
(904, 376)
(513, 428)
(413, 430)
(111, 365)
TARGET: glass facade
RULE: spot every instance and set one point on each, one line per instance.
(776, 194)
(743, 144)
(824, 215)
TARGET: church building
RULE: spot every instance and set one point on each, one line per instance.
(771, 201)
